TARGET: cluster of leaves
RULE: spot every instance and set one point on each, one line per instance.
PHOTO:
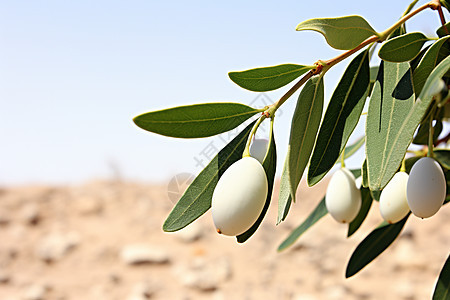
(402, 103)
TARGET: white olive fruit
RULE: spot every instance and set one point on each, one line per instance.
(426, 188)
(343, 199)
(393, 204)
(239, 196)
(258, 149)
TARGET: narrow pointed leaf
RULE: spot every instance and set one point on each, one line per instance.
(365, 180)
(401, 29)
(442, 289)
(342, 33)
(341, 117)
(443, 157)
(441, 32)
(373, 245)
(196, 200)
(268, 78)
(285, 198)
(269, 164)
(305, 123)
(395, 145)
(402, 48)
(367, 200)
(427, 64)
(392, 99)
(316, 215)
(350, 150)
(195, 121)
(446, 4)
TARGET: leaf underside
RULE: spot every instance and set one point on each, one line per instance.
(304, 126)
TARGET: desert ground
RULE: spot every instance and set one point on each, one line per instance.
(104, 240)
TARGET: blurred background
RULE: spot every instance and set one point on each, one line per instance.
(84, 192)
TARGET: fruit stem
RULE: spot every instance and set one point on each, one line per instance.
(270, 138)
(252, 133)
(323, 66)
(403, 167)
(343, 158)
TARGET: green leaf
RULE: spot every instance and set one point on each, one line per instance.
(391, 100)
(373, 78)
(373, 245)
(442, 289)
(195, 121)
(427, 64)
(305, 123)
(441, 30)
(356, 172)
(341, 117)
(269, 164)
(446, 4)
(402, 48)
(365, 179)
(367, 200)
(402, 29)
(268, 78)
(196, 200)
(316, 215)
(350, 150)
(285, 198)
(421, 138)
(443, 157)
(342, 33)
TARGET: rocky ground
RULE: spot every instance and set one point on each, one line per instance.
(103, 240)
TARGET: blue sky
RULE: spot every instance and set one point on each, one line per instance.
(74, 73)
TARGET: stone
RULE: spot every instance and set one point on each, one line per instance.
(89, 206)
(31, 214)
(36, 292)
(142, 291)
(55, 245)
(204, 275)
(143, 254)
(4, 277)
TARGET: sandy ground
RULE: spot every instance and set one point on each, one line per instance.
(103, 240)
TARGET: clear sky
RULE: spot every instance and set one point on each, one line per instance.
(74, 73)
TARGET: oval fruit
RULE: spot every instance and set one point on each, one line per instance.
(426, 188)
(393, 204)
(258, 149)
(343, 199)
(239, 196)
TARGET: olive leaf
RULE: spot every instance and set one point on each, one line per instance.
(268, 78)
(195, 121)
(391, 122)
(392, 99)
(427, 64)
(342, 33)
(196, 200)
(442, 290)
(341, 117)
(316, 215)
(373, 245)
(269, 164)
(304, 126)
(366, 198)
(402, 48)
